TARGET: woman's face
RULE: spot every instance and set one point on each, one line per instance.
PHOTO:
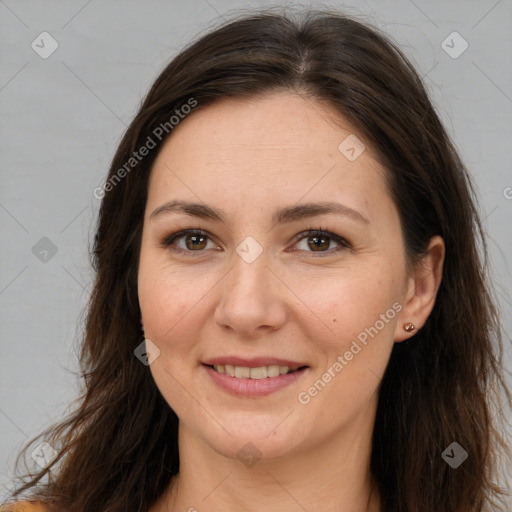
(254, 291)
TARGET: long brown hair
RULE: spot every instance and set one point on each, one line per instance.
(118, 451)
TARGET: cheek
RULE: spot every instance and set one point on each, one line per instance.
(160, 297)
(360, 314)
(165, 307)
(173, 302)
(349, 304)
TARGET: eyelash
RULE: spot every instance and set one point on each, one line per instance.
(169, 240)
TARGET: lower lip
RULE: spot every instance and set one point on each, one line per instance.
(252, 387)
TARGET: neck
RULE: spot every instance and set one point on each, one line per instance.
(332, 477)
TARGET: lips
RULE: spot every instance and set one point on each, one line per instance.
(253, 377)
(253, 386)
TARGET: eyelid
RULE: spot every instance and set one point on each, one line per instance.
(169, 240)
(343, 243)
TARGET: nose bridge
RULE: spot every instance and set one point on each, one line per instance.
(249, 294)
(249, 263)
(248, 279)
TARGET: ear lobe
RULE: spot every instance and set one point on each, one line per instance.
(422, 289)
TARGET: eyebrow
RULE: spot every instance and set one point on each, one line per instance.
(283, 216)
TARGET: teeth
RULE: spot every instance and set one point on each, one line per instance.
(260, 372)
(242, 372)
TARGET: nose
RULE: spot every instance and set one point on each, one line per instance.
(251, 303)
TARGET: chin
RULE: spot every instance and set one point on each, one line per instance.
(260, 436)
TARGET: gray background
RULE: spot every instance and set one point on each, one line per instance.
(62, 117)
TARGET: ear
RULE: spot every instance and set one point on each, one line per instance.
(421, 290)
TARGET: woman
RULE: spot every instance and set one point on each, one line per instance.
(289, 224)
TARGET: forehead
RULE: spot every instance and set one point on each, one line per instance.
(273, 122)
(279, 147)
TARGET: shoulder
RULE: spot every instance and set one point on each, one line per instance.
(25, 506)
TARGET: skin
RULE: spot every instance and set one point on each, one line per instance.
(251, 158)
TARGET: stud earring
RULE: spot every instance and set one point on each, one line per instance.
(409, 327)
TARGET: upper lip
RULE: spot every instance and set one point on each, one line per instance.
(253, 362)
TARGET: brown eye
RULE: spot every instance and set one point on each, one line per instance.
(318, 243)
(188, 241)
(321, 242)
(195, 241)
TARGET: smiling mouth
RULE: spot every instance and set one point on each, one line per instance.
(256, 373)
